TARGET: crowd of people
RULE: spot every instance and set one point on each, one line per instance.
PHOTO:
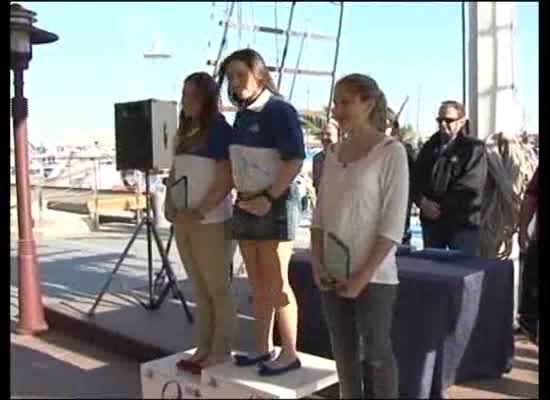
(365, 186)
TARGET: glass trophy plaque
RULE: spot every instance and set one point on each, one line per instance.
(336, 256)
(180, 194)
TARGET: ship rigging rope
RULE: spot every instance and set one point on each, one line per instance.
(277, 50)
(509, 170)
(212, 19)
(223, 44)
(336, 53)
(253, 24)
(239, 22)
(285, 49)
(306, 34)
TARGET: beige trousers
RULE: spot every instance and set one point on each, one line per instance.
(207, 252)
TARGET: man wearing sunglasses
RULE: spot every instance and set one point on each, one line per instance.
(449, 177)
(329, 135)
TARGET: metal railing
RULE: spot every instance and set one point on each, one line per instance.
(78, 176)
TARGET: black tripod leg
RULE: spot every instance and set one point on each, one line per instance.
(168, 245)
(150, 258)
(170, 239)
(149, 222)
(117, 266)
(172, 281)
(173, 284)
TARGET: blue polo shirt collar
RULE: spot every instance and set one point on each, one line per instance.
(260, 102)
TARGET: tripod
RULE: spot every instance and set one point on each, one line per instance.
(161, 283)
(165, 279)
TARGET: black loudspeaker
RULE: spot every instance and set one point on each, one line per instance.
(144, 132)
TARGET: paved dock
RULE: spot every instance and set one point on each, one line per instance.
(75, 263)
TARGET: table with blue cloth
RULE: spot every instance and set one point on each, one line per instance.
(452, 322)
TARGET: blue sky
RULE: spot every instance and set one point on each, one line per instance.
(98, 61)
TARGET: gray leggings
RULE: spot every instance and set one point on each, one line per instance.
(360, 335)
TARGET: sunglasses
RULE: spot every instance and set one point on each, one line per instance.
(446, 120)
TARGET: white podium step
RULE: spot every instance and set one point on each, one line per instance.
(315, 374)
(161, 379)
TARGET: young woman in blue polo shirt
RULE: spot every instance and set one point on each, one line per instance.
(201, 155)
(266, 154)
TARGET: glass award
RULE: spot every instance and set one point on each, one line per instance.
(179, 193)
(336, 256)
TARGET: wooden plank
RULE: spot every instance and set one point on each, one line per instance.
(72, 207)
(117, 203)
(313, 113)
(85, 206)
(122, 190)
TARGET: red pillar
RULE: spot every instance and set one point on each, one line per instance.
(31, 311)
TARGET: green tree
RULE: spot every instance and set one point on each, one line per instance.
(312, 125)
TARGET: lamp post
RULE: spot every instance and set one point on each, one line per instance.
(23, 35)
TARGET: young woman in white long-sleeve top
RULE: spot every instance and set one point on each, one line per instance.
(362, 201)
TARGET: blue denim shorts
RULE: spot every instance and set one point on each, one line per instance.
(280, 223)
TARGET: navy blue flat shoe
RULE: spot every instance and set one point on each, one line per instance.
(265, 370)
(243, 360)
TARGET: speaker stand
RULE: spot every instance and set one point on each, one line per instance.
(166, 270)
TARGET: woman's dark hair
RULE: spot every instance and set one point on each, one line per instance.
(208, 89)
(256, 64)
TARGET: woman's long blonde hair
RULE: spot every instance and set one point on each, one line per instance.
(367, 88)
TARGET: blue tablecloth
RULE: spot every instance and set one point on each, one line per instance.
(452, 323)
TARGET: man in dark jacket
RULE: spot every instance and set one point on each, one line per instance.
(449, 177)
(329, 135)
